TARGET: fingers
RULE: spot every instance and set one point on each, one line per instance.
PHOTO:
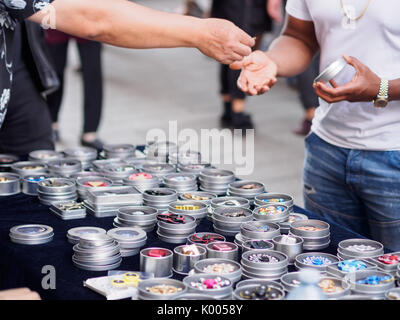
(242, 50)
(245, 39)
(336, 91)
(325, 93)
(241, 64)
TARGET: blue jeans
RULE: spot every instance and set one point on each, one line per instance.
(357, 189)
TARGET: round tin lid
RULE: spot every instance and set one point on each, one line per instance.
(332, 70)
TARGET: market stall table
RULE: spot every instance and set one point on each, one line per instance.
(21, 265)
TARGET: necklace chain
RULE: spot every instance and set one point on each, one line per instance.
(354, 18)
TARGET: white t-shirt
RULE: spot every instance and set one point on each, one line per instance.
(375, 41)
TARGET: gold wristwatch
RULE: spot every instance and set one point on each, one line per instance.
(382, 99)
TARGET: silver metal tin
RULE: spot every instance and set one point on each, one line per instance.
(334, 270)
(246, 189)
(197, 196)
(260, 282)
(56, 186)
(45, 155)
(9, 184)
(183, 263)
(260, 230)
(180, 180)
(194, 168)
(138, 214)
(31, 234)
(343, 247)
(121, 151)
(266, 266)
(25, 168)
(224, 293)
(171, 230)
(331, 71)
(161, 267)
(175, 239)
(202, 238)
(190, 222)
(159, 201)
(144, 294)
(280, 294)
(288, 200)
(376, 290)
(310, 223)
(291, 250)
(64, 167)
(285, 225)
(30, 183)
(231, 254)
(248, 245)
(115, 195)
(223, 219)
(392, 294)
(74, 234)
(233, 276)
(391, 268)
(142, 181)
(230, 202)
(83, 184)
(321, 268)
(179, 208)
(278, 217)
(6, 161)
(339, 283)
(161, 150)
(159, 170)
(118, 172)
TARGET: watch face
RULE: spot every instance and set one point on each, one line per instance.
(380, 103)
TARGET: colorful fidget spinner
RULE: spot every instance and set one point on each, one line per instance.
(262, 257)
(210, 283)
(375, 280)
(206, 238)
(389, 258)
(271, 210)
(36, 179)
(317, 261)
(171, 218)
(351, 265)
(274, 200)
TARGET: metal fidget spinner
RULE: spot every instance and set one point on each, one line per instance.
(389, 258)
(195, 197)
(171, 218)
(260, 293)
(157, 193)
(262, 257)
(187, 207)
(234, 214)
(206, 238)
(71, 206)
(260, 244)
(163, 289)
(361, 248)
(53, 183)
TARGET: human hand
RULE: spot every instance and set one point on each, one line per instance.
(258, 73)
(364, 87)
(274, 9)
(223, 41)
(19, 294)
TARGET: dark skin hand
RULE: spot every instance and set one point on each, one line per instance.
(364, 87)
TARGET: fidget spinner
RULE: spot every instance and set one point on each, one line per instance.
(157, 193)
(375, 280)
(140, 176)
(317, 261)
(361, 248)
(262, 257)
(271, 210)
(274, 200)
(95, 184)
(389, 258)
(260, 293)
(171, 218)
(187, 207)
(36, 179)
(210, 283)
(309, 228)
(351, 265)
(221, 247)
(195, 197)
(163, 289)
(71, 206)
(206, 238)
(329, 286)
(53, 183)
(222, 268)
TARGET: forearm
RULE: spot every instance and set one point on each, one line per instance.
(291, 55)
(124, 23)
(394, 89)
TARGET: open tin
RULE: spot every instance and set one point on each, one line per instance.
(25, 168)
(264, 264)
(6, 161)
(84, 154)
(285, 225)
(195, 209)
(140, 216)
(290, 245)
(377, 290)
(205, 238)
(258, 292)
(120, 151)
(181, 182)
(315, 260)
(160, 289)
(213, 285)
(260, 230)
(223, 267)
(45, 155)
(142, 181)
(159, 198)
(271, 213)
(222, 250)
(185, 258)
(157, 261)
(9, 184)
(360, 248)
(342, 268)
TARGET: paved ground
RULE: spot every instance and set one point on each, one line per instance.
(147, 89)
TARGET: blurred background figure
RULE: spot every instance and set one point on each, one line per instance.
(252, 17)
(90, 58)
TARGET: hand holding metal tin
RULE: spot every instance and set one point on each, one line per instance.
(364, 86)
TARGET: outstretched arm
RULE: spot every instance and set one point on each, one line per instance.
(288, 55)
(126, 24)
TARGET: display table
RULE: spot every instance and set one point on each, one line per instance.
(21, 265)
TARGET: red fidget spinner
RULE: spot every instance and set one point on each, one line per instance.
(157, 253)
(389, 258)
(221, 247)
